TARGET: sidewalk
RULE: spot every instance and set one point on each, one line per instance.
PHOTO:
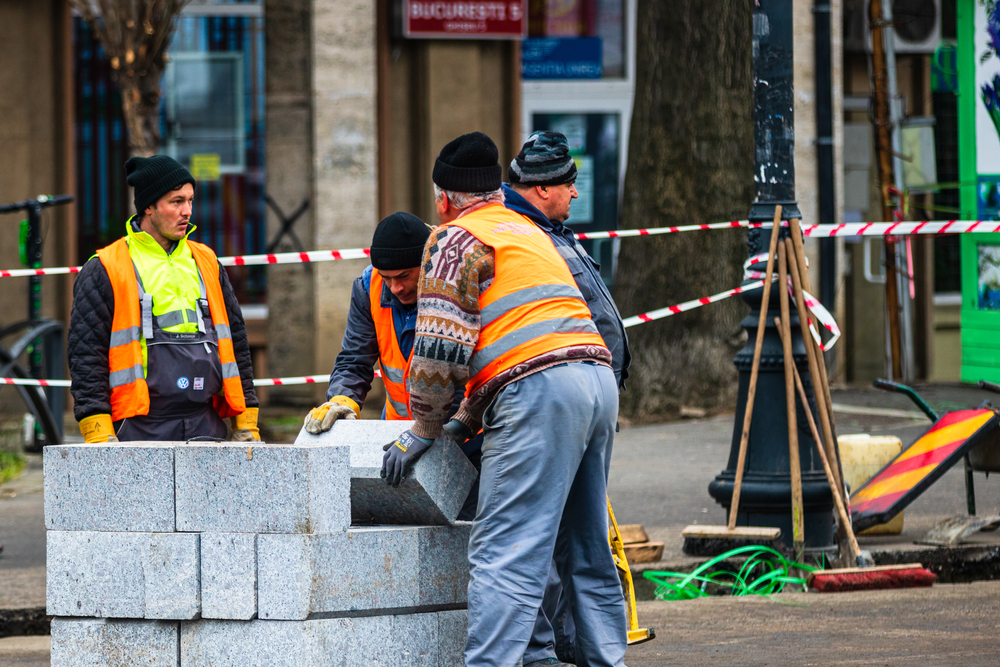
(659, 478)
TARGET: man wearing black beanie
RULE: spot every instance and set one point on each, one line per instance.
(500, 313)
(380, 329)
(157, 345)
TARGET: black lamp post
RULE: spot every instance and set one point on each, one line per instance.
(765, 497)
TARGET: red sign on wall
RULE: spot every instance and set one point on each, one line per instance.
(465, 19)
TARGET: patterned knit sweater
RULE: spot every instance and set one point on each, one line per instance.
(457, 268)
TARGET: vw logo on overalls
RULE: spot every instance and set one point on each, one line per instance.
(182, 383)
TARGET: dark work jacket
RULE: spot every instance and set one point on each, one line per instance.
(90, 338)
(354, 368)
(586, 273)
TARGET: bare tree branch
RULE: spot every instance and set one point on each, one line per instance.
(136, 34)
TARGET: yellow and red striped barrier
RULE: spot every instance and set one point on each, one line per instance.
(918, 466)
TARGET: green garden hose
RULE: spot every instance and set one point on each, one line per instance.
(765, 572)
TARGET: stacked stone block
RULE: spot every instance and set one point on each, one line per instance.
(209, 554)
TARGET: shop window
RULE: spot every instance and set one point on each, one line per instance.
(574, 39)
(204, 108)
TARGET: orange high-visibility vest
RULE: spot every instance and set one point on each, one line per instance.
(533, 305)
(129, 392)
(390, 358)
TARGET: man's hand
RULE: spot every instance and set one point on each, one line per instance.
(457, 431)
(322, 418)
(98, 428)
(245, 426)
(400, 455)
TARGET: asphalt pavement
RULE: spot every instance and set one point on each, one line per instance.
(659, 478)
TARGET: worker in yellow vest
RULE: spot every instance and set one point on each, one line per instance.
(157, 344)
(499, 313)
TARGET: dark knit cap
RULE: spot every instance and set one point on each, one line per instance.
(399, 241)
(544, 160)
(153, 177)
(468, 164)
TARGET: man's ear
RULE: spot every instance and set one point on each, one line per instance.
(542, 191)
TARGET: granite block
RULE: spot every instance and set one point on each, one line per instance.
(284, 575)
(434, 492)
(171, 573)
(122, 575)
(257, 643)
(369, 641)
(453, 631)
(110, 487)
(91, 642)
(416, 568)
(229, 575)
(230, 488)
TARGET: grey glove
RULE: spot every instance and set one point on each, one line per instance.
(322, 418)
(400, 456)
(243, 435)
(457, 431)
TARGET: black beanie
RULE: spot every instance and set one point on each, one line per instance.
(544, 160)
(153, 177)
(468, 164)
(399, 241)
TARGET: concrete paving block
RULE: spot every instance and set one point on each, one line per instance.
(230, 488)
(110, 487)
(434, 492)
(122, 575)
(453, 631)
(368, 568)
(228, 575)
(284, 575)
(91, 642)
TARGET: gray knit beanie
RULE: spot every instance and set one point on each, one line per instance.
(544, 160)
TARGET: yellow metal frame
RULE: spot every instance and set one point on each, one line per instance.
(636, 635)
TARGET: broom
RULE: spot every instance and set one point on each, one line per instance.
(713, 540)
(863, 577)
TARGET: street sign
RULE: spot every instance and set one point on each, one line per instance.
(465, 19)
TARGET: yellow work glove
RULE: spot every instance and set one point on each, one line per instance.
(98, 428)
(339, 407)
(245, 426)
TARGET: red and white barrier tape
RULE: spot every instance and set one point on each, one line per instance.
(259, 382)
(812, 303)
(688, 305)
(811, 231)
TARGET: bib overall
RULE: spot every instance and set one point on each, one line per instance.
(183, 374)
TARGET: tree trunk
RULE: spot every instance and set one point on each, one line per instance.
(690, 161)
(141, 109)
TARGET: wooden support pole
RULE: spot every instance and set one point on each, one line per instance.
(795, 466)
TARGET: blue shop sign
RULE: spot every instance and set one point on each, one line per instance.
(562, 58)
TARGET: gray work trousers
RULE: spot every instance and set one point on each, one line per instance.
(543, 496)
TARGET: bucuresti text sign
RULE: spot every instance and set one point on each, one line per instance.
(465, 19)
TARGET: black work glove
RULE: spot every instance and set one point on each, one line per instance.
(400, 456)
(457, 431)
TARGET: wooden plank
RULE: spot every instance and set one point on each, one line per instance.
(979, 356)
(977, 373)
(646, 552)
(633, 533)
(738, 533)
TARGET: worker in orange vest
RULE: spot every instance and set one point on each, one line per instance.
(157, 345)
(499, 312)
(380, 330)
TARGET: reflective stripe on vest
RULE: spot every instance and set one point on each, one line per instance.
(390, 357)
(129, 392)
(533, 306)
